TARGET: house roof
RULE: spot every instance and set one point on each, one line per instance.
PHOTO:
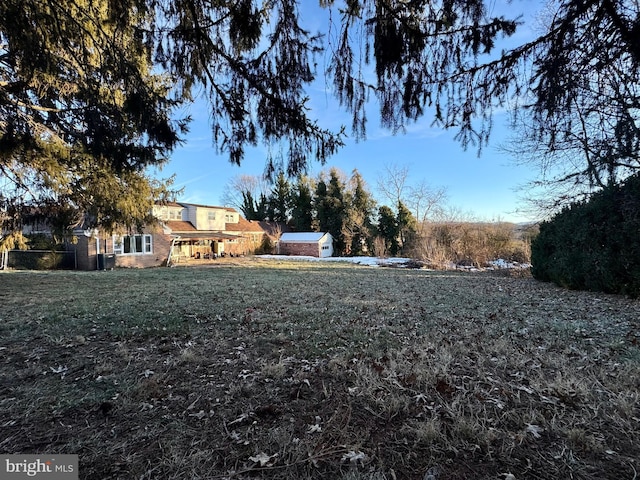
(184, 204)
(204, 235)
(244, 225)
(180, 226)
(302, 237)
(186, 231)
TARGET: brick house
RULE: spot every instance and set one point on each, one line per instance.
(185, 232)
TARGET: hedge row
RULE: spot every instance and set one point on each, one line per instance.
(593, 245)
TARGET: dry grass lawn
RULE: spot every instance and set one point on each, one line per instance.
(270, 369)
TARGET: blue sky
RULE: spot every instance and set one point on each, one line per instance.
(484, 186)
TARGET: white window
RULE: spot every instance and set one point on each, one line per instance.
(132, 244)
(117, 244)
(161, 213)
(167, 213)
(211, 216)
(228, 218)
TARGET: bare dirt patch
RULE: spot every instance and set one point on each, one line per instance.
(302, 370)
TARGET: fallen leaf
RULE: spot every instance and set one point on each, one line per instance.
(354, 457)
(534, 430)
(314, 429)
(263, 459)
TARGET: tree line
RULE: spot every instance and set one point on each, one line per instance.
(332, 203)
(418, 224)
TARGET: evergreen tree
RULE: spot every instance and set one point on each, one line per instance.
(336, 212)
(89, 91)
(262, 208)
(302, 205)
(407, 228)
(359, 214)
(280, 200)
(388, 229)
(248, 206)
(254, 209)
(83, 111)
(578, 79)
(331, 210)
(321, 206)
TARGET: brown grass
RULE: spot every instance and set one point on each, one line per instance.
(271, 369)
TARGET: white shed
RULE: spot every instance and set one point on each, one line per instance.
(313, 244)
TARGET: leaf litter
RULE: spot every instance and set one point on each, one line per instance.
(276, 370)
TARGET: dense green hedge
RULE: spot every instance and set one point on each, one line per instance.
(593, 245)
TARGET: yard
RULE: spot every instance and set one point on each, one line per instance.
(276, 369)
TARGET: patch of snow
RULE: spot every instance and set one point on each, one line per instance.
(369, 261)
(397, 261)
(501, 263)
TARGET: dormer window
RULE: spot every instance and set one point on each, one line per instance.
(168, 213)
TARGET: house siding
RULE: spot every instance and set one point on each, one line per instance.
(198, 215)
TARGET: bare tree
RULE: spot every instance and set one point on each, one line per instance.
(426, 202)
(236, 187)
(392, 183)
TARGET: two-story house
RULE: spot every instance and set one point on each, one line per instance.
(185, 231)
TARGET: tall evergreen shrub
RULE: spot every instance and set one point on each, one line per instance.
(593, 245)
